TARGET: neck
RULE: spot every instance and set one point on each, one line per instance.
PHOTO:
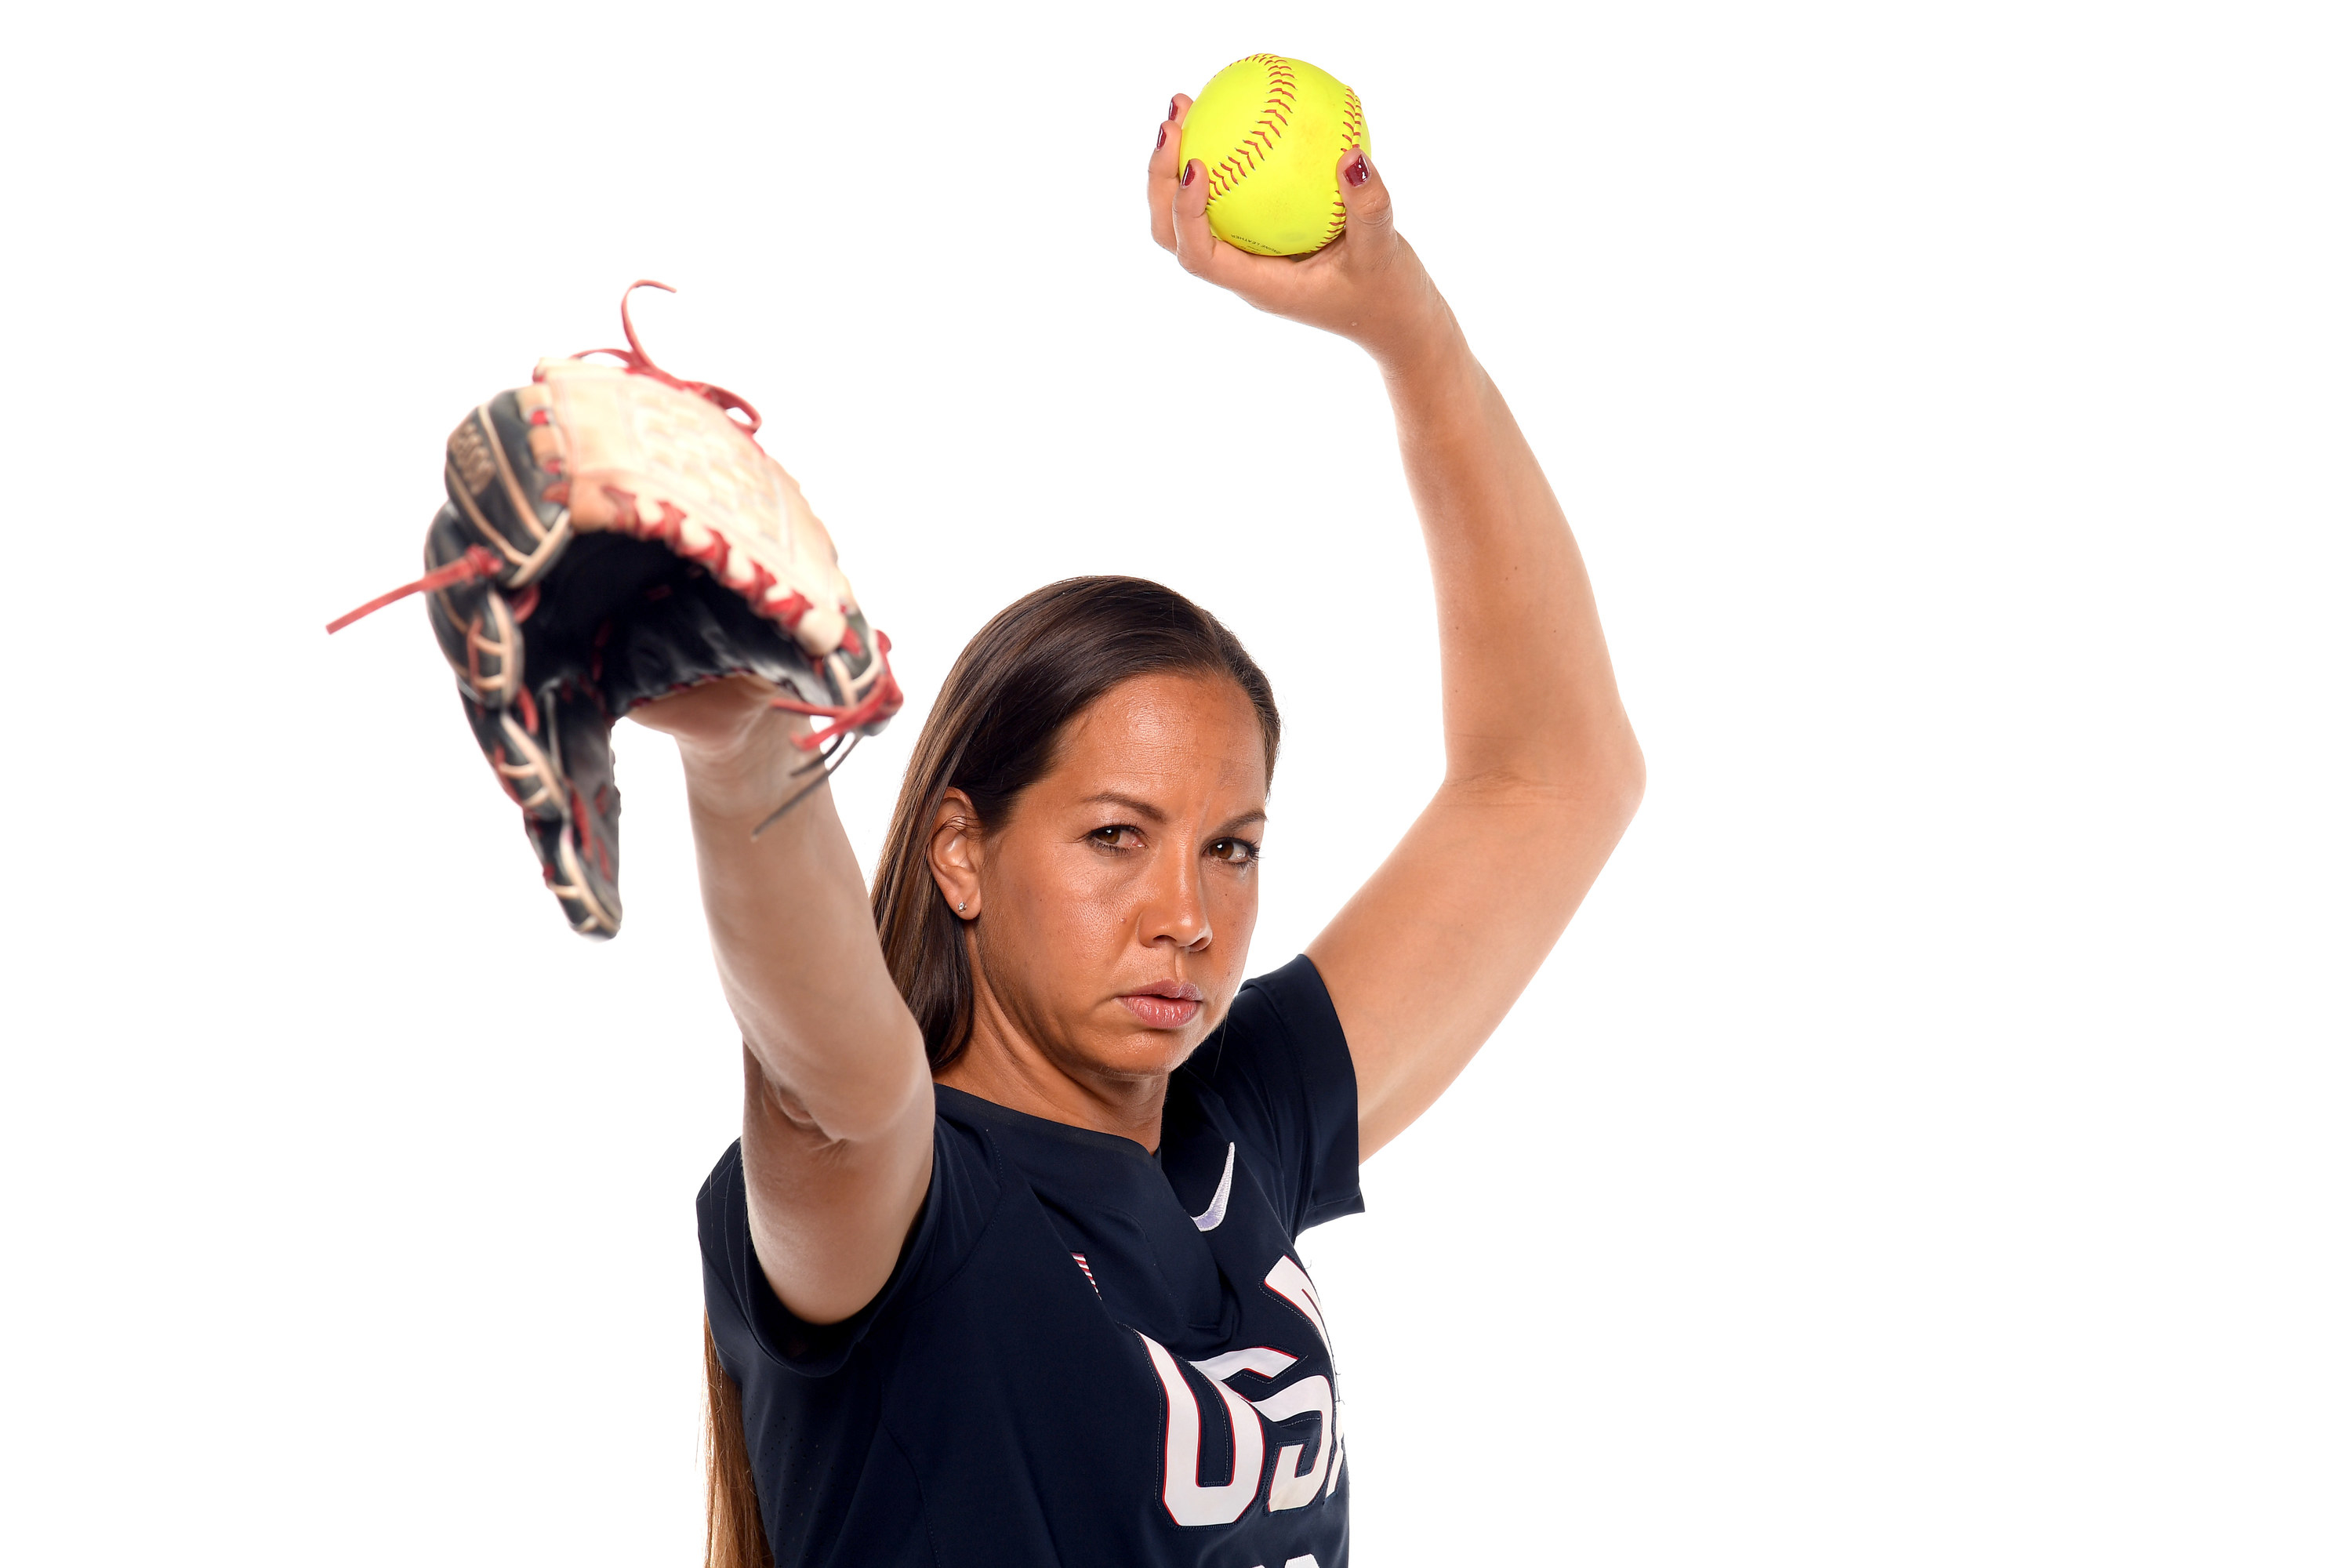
(1003, 1065)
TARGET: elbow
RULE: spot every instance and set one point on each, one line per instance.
(1598, 774)
(1629, 778)
(860, 1105)
(1606, 785)
(1604, 766)
(886, 1104)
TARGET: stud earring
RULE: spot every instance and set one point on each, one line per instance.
(958, 909)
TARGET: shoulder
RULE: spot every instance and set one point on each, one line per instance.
(967, 1180)
(1280, 1036)
(1278, 1067)
(1293, 1003)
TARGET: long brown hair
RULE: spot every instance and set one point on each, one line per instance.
(993, 732)
(735, 1537)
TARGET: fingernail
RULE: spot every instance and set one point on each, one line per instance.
(1161, 141)
(1171, 108)
(1359, 171)
(1188, 170)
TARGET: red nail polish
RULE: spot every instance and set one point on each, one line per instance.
(1171, 108)
(1188, 172)
(1359, 171)
(1161, 141)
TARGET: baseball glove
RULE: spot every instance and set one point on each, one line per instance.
(613, 534)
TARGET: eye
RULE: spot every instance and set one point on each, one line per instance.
(1118, 836)
(1234, 851)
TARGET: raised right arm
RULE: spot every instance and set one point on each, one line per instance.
(836, 1089)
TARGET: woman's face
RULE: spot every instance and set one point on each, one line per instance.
(1116, 899)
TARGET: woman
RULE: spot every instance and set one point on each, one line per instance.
(1002, 1271)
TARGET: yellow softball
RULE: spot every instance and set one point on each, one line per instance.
(1268, 133)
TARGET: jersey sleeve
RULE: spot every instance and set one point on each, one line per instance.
(1280, 1065)
(749, 1322)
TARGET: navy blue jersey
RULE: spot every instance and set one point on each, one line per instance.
(1088, 1355)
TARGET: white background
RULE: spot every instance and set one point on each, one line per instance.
(1929, 1144)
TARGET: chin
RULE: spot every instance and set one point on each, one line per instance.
(1146, 1053)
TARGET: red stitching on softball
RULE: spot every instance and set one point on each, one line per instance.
(1256, 144)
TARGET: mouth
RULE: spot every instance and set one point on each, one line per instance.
(1168, 1005)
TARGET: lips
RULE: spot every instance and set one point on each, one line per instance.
(1168, 1005)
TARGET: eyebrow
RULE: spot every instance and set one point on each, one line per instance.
(1157, 817)
(1142, 808)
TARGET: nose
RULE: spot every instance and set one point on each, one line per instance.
(1174, 910)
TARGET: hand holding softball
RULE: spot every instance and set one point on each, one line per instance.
(1367, 284)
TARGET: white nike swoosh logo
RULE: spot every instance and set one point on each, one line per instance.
(1213, 1216)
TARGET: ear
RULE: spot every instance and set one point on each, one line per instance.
(954, 854)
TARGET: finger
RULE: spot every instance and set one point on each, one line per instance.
(1160, 183)
(1265, 281)
(1366, 195)
(1197, 248)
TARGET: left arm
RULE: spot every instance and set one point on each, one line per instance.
(1542, 773)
